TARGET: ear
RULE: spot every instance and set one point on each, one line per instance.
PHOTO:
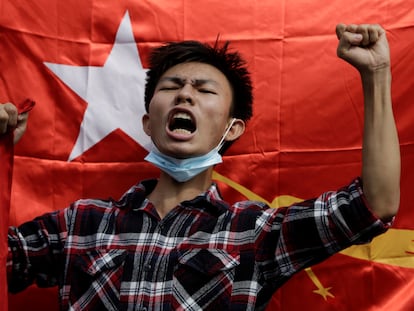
(236, 130)
(146, 124)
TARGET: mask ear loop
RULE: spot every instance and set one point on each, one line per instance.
(222, 142)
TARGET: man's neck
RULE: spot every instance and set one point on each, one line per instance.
(168, 193)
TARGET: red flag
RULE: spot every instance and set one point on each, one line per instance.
(6, 158)
(6, 174)
(304, 138)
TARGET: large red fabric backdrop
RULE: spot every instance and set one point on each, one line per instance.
(305, 136)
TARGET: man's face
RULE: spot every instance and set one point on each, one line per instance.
(189, 111)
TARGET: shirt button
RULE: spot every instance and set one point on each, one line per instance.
(147, 267)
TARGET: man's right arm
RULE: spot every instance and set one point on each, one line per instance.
(35, 251)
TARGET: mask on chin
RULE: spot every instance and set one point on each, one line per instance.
(183, 170)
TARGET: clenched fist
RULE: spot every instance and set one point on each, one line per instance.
(363, 46)
(10, 119)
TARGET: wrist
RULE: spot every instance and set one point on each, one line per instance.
(380, 77)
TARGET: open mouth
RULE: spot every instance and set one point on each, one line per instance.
(181, 123)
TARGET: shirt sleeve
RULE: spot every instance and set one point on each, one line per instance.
(301, 235)
(34, 251)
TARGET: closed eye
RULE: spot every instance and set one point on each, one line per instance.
(169, 88)
(207, 91)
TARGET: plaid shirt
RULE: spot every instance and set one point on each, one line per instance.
(203, 255)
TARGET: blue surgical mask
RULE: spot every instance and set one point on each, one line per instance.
(183, 170)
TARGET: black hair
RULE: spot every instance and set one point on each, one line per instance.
(231, 64)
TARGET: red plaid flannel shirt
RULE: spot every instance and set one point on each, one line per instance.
(204, 255)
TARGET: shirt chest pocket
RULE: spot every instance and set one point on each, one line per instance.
(203, 279)
(95, 273)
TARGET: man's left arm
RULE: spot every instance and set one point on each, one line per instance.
(366, 48)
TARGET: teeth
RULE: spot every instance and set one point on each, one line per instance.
(182, 123)
(182, 131)
(182, 115)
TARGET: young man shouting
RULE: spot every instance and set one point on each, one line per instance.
(173, 243)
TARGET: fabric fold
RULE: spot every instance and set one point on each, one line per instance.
(6, 175)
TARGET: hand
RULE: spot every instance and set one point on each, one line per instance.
(11, 119)
(363, 46)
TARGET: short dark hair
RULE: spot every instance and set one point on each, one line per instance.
(229, 63)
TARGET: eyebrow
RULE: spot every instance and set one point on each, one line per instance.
(194, 82)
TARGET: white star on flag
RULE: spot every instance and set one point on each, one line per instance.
(114, 92)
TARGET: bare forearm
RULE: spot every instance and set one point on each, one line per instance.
(381, 153)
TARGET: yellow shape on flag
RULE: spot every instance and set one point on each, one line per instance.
(282, 200)
(323, 291)
(395, 247)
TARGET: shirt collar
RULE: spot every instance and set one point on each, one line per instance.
(210, 200)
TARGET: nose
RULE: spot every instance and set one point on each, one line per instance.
(185, 94)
